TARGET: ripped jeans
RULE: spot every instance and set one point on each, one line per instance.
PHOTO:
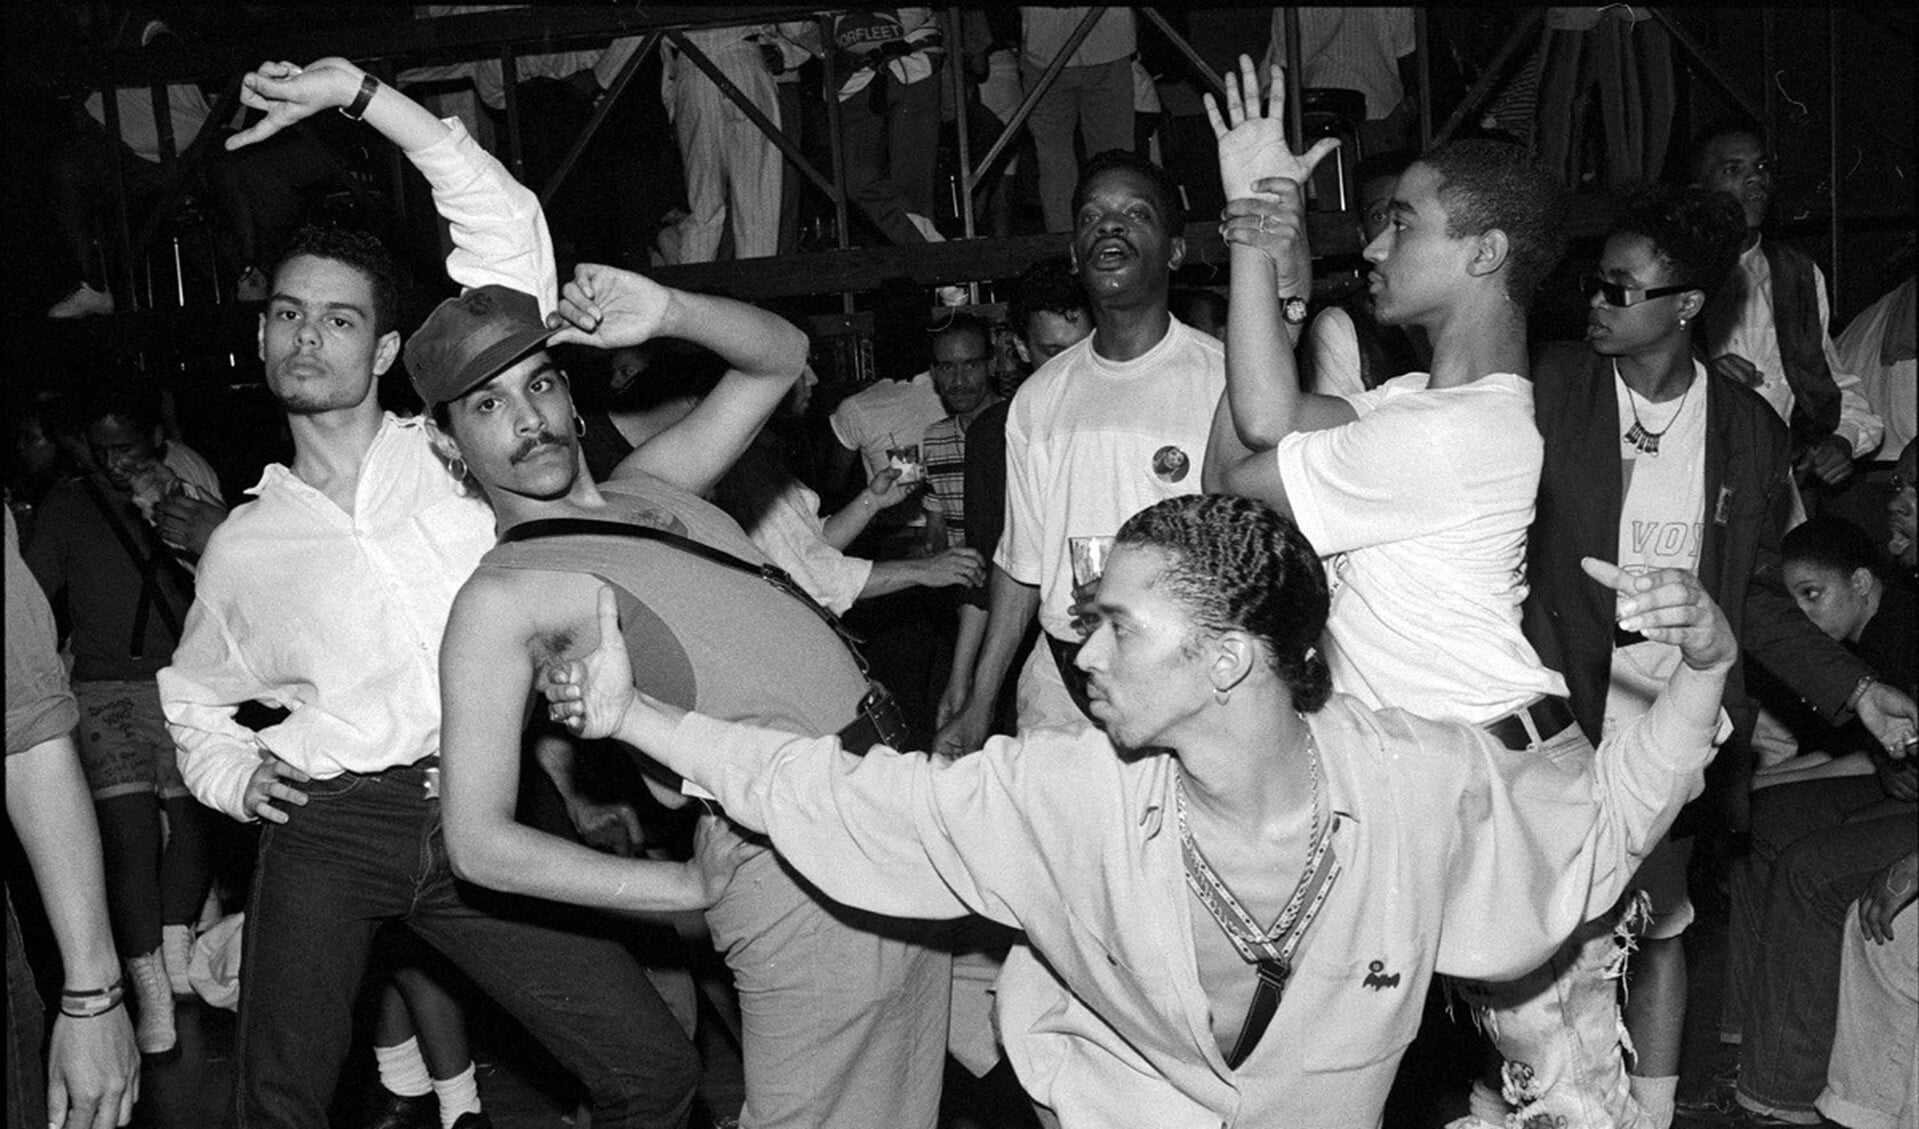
(1560, 1031)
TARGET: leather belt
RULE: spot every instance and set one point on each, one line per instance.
(1550, 717)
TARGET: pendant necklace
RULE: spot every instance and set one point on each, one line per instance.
(1638, 435)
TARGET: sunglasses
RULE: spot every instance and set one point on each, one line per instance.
(1624, 297)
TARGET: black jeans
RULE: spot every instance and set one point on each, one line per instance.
(369, 848)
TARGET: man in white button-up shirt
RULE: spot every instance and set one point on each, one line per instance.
(327, 596)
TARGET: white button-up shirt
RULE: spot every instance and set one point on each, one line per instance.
(334, 617)
(1459, 856)
(337, 617)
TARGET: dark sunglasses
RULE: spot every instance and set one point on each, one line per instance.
(1624, 297)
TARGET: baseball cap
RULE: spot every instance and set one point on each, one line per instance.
(468, 340)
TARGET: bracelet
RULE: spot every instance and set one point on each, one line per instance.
(83, 993)
(96, 1012)
(1859, 691)
(368, 85)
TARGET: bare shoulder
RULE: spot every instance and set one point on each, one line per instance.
(547, 614)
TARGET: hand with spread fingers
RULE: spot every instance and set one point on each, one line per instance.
(608, 308)
(1252, 144)
(1669, 605)
(290, 94)
(274, 781)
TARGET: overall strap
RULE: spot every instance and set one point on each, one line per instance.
(148, 564)
(769, 572)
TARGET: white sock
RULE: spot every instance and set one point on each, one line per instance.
(458, 1095)
(1487, 1104)
(402, 1070)
(1654, 1096)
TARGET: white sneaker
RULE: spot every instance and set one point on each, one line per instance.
(176, 950)
(153, 1033)
(82, 301)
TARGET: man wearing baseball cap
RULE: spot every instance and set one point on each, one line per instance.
(326, 596)
(844, 1016)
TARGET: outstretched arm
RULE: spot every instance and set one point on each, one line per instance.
(889, 832)
(1265, 228)
(609, 307)
(1564, 838)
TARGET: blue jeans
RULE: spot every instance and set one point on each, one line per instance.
(368, 848)
(1811, 858)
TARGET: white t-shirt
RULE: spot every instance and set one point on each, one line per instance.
(1661, 523)
(1421, 506)
(891, 413)
(1091, 442)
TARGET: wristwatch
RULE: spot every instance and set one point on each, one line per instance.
(1293, 309)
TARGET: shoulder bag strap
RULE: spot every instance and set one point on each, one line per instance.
(149, 563)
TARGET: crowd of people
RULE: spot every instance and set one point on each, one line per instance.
(1228, 673)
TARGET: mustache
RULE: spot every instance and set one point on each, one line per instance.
(533, 443)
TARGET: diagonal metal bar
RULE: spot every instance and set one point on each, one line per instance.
(169, 201)
(752, 112)
(956, 70)
(1422, 46)
(1033, 96)
(1705, 65)
(1492, 74)
(1186, 50)
(600, 110)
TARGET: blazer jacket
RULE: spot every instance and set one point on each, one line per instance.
(1568, 616)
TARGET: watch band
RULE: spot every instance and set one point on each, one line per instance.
(368, 86)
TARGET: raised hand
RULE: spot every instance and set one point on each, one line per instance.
(609, 308)
(1252, 144)
(289, 93)
(1274, 221)
(1669, 605)
(590, 695)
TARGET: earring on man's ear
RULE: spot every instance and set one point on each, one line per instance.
(1682, 323)
(1222, 696)
(456, 466)
(579, 425)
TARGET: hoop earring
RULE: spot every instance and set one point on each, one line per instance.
(456, 466)
(579, 426)
(1222, 696)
